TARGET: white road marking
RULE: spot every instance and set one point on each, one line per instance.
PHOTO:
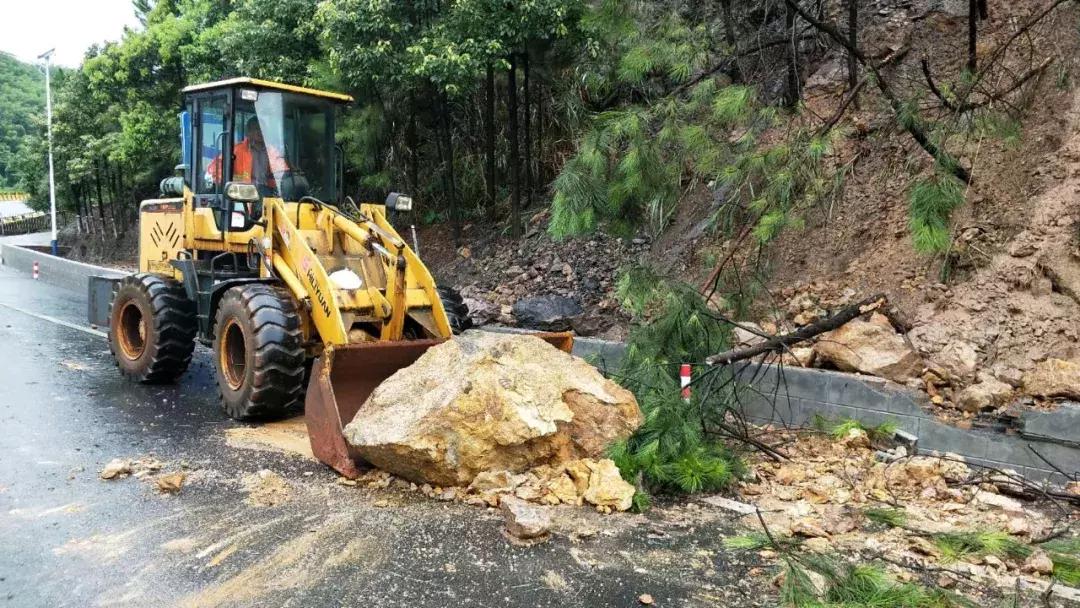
(82, 328)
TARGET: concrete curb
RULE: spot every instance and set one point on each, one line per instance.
(54, 270)
(792, 396)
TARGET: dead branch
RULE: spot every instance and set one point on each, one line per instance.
(778, 343)
(709, 286)
(853, 94)
(991, 98)
(851, 97)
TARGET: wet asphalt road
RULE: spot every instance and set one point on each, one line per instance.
(68, 538)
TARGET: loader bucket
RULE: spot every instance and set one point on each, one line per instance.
(344, 377)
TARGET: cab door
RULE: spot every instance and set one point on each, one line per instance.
(213, 154)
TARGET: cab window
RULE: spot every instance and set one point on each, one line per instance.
(211, 130)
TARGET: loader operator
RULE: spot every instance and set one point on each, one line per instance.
(253, 161)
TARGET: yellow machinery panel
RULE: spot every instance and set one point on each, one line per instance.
(161, 235)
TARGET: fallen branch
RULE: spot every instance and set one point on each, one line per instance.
(779, 343)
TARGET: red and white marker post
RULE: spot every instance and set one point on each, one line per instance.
(37, 272)
(684, 380)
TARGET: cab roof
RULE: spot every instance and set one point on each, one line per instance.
(267, 84)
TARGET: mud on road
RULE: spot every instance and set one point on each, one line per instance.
(69, 538)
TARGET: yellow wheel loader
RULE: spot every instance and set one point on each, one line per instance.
(254, 251)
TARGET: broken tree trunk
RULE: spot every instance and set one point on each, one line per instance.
(779, 343)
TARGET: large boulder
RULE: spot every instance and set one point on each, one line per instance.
(1054, 378)
(549, 313)
(490, 402)
(870, 347)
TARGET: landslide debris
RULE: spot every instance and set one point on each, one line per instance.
(265, 488)
(488, 402)
(915, 513)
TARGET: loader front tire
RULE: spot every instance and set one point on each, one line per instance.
(151, 328)
(457, 312)
(258, 350)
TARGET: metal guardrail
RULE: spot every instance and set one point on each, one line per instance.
(13, 196)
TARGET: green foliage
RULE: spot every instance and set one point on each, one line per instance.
(747, 542)
(672, 450)
(839, 585)
(641, 502)
(1065, 554)
(893, 518)
(956, 546)
(22, 109)
(869, 586)
(839, 428)
(631, 166)
(931, 203)
(1001, 126)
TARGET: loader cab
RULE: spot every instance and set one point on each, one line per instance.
(245, 140)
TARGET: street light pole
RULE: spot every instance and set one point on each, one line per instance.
(47, 56)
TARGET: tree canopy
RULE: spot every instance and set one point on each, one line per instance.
(22, 101)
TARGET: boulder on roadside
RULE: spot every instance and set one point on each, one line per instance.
(525, 521)
(1038, 563)
(490, 402)
(606, 487)
(117, 467)
(798, 356)
(548, 313)
(870, 347)
(1053, 378)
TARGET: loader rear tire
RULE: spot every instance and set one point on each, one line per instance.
(151, 328)
(457, 312)
(258, 350)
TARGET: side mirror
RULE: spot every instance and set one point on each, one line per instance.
(243, 206)
(243, 193)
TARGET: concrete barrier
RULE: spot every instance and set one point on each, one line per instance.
(57, 271)
(793, 396)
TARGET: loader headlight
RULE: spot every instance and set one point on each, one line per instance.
(399, 202)
(245, 193)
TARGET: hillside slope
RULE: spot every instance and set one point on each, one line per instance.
(1009, 285)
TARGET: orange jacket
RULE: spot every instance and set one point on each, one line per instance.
(243, 162)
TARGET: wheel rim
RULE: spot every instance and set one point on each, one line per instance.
(132, 331)
(233, 355)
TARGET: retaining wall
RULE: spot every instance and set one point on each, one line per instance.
(792, 396)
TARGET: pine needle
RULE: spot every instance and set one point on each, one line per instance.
(894, 518)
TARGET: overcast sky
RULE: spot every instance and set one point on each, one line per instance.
(32, 27)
